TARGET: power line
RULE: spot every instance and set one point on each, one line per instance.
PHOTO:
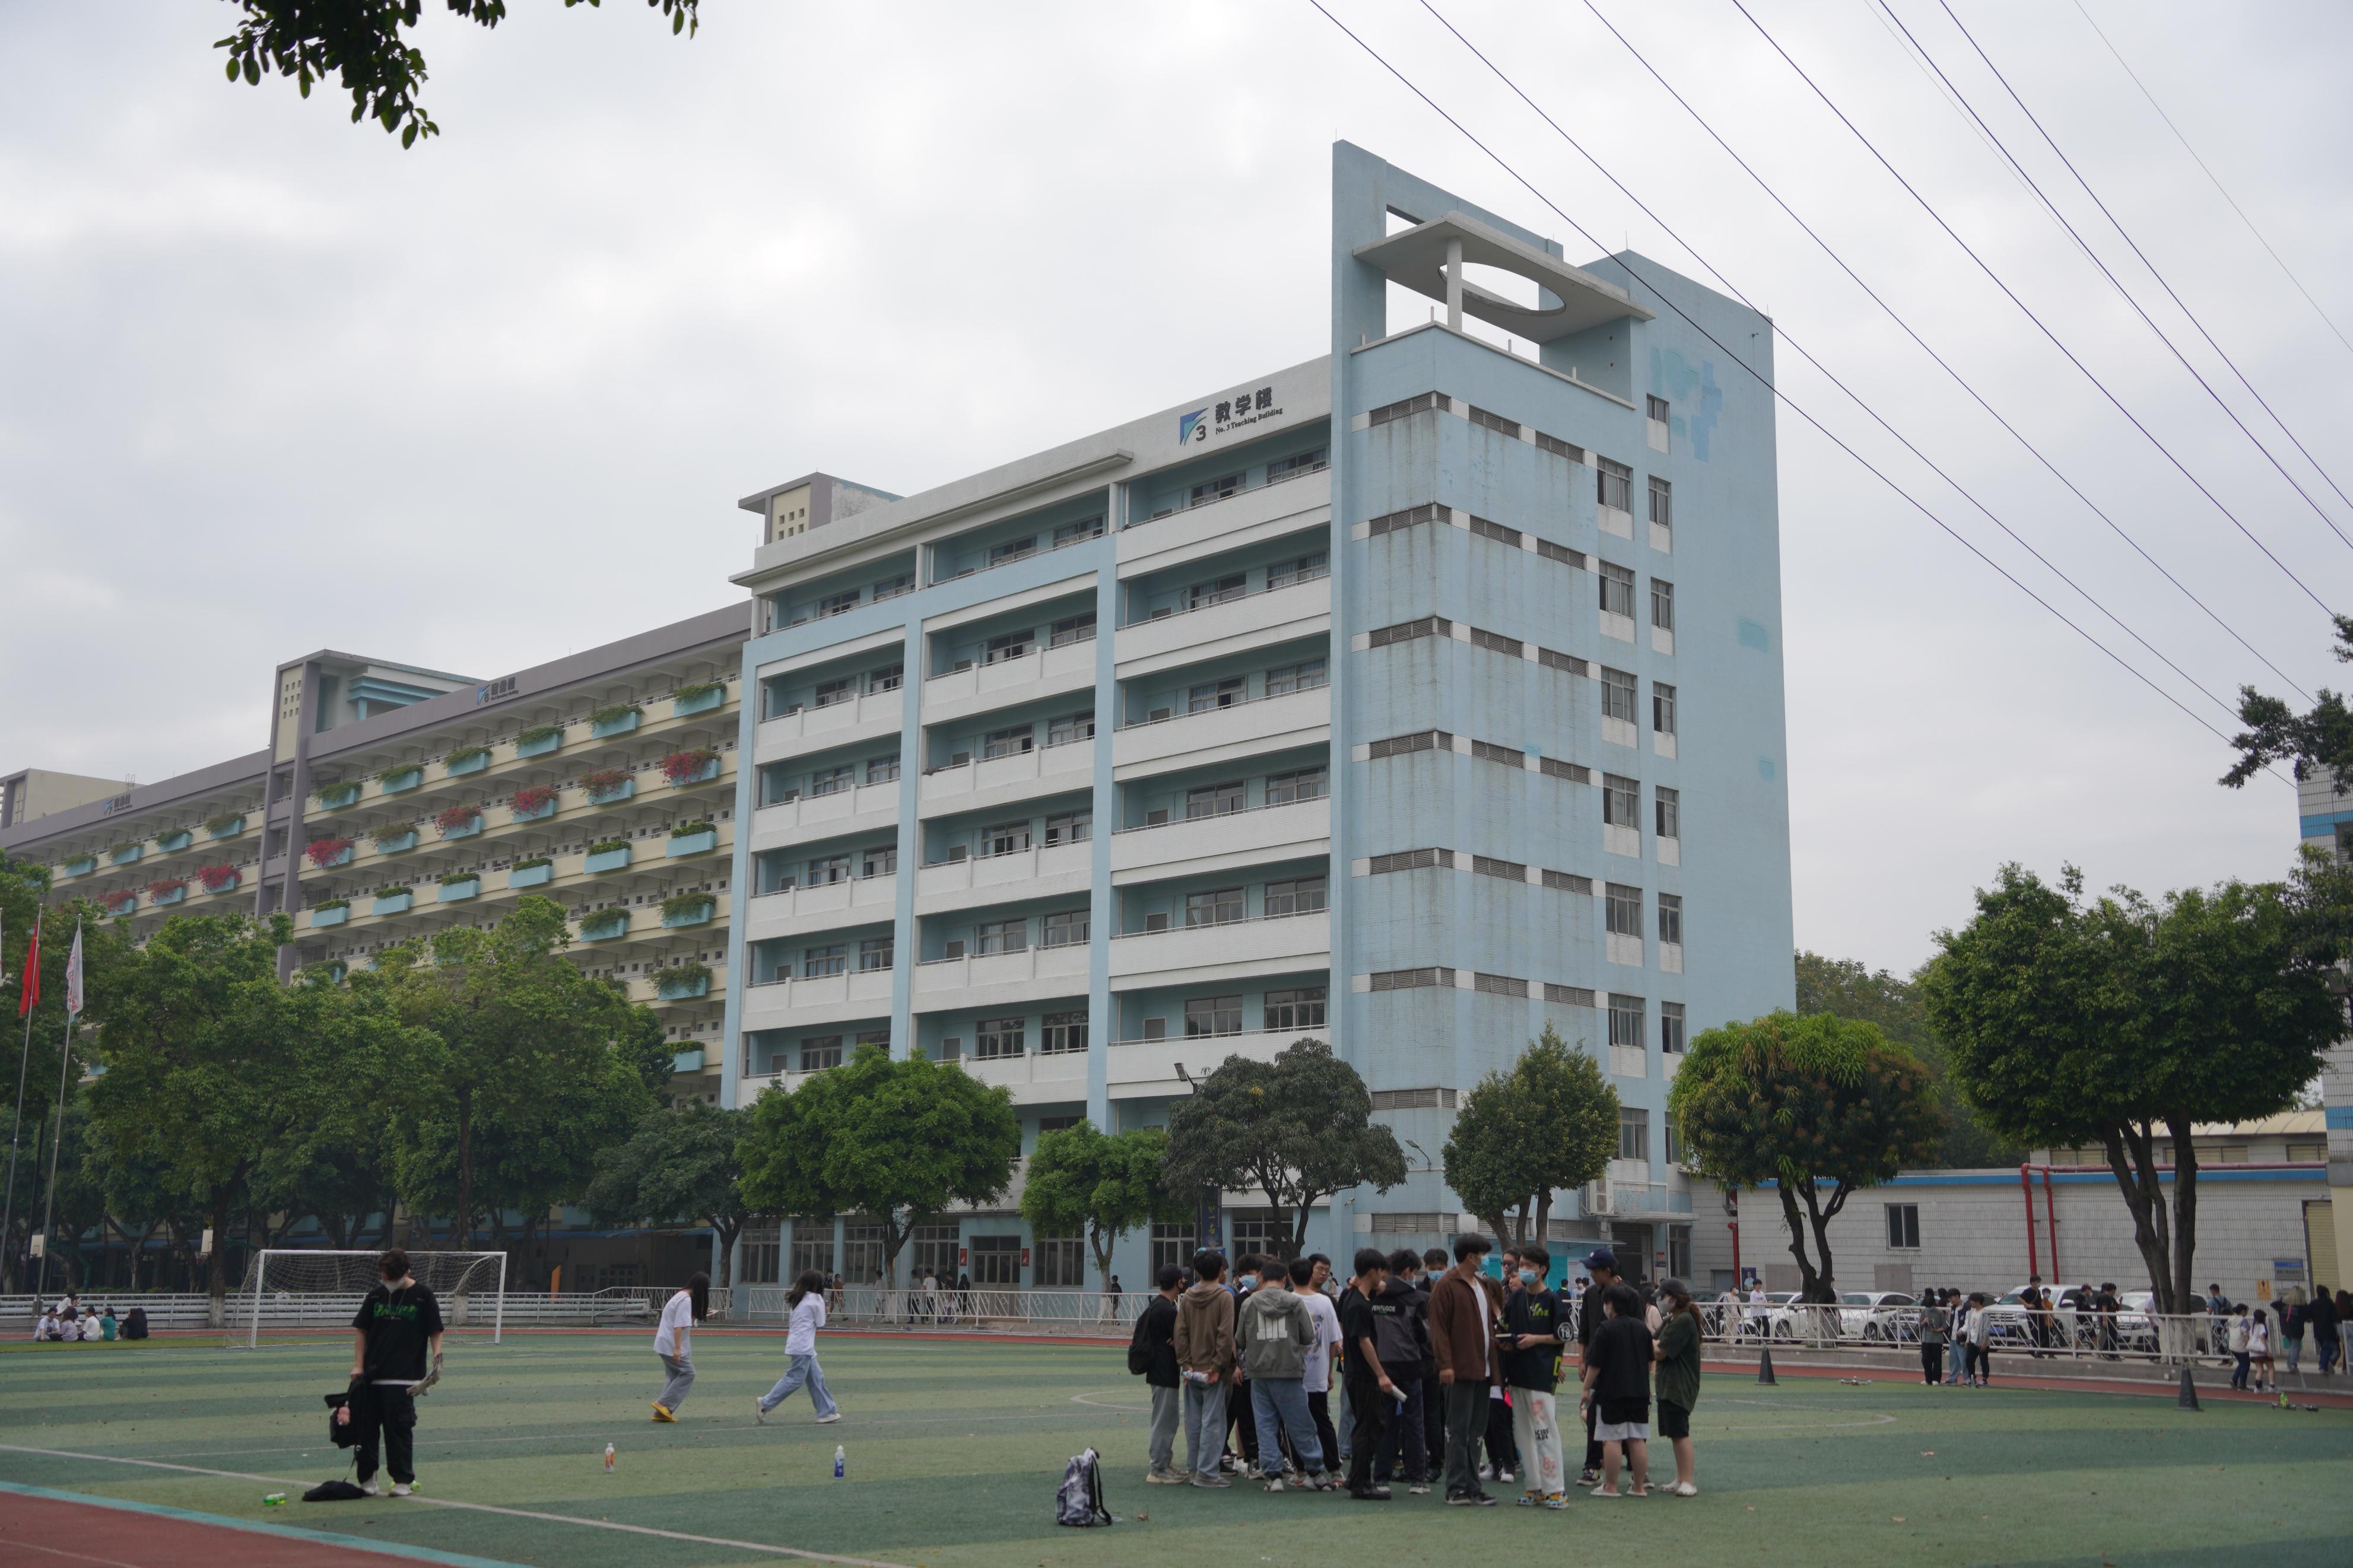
(1785, 336)
(2216, 179)
(2092, 256)
(1763, 381)
(1996, 278)
(1892, 315)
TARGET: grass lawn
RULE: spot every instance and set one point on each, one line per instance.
(955, 1450)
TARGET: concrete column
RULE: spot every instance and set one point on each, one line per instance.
(1454, 285)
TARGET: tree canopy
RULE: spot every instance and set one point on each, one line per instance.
(1298, 1129)
(1549, 1124)
(1893, 1002)
(1081, 1180)
(1819, 1107)
(679, 1164)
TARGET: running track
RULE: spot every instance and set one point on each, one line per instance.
(43, 1529)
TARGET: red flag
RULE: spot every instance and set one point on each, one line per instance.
(29, 984)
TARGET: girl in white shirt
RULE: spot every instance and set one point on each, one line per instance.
(674, 1344)
(807, 1302)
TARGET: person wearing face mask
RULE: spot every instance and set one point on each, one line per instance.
(1531, 1322)
(1241, 1420)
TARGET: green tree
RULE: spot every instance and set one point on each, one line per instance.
(366, 43)
(1549, 1124)
(2118, 1024)
(1820, 1106)
(1847, 988)
(680, 1164)
(2316, 742)
(1080, 1180)
(897, 1142)
(1298, 1129)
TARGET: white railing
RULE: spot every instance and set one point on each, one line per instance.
(332, 1310)
(2064, 1334)
(983, 1308)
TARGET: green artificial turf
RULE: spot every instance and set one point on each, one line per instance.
(955, 1448)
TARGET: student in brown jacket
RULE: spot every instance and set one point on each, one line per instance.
(1205, 1363)
(1463, 1337)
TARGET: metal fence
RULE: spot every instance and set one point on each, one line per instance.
(316, 1312)
(1074, 1313)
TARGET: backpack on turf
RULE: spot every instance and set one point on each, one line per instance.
(1079, 1501)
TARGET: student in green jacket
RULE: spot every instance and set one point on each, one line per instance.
(1678, 1378)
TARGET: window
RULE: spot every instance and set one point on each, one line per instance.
(1009, 742)
(1412, 860)
(1674, 1141)
(1414, 1099)
(1633, 1133)
(1623, 910)
(1070, 828)
(819, 962)
(1552, 660)
(1671, 1027)
(1216, 907)
(873, 953)
(1303, 569)
(934, 1249)
(996, 1262)
(1621, 801)
(1304, 676)
(1670, 918)
(882, 770)
(1509, 870)
(1298, 1009)
(2303, 1153)
(819, 1052)
(1298, 896)
(1576, 772)
(1617, 697)
(891, 587)
(1001, 936)
(883, 860)
(1662, 605)
(1617, 590)
(1071, 629)
(832, 780)
(1216, 591)
(1903, 1225)
(1406, 631)
(840, 604)
(1298, 463)
(1001, 1038)
(826, 871)
(829, 692)
(1077, 533)
(1662, 503)
(1214, 800)
(1670, 811)
(1558, 448)
(1062, 1033)
(1662, 708)
(1070, 728)
(890, 678)
(1300, 784)
(1655, 408)
(1004, 838)
(1213, 1016)
(1411, 979)
(1212, 694)
(1013, 549)
(1218, 488)
(1012, 644)
(1614, 483)
(1065, 928)
(1422, 405)
(1568, 996)
(1172, 1243)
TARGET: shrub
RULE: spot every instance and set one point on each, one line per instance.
(457, 818)
(222, 822)
(396, 889)
(531, 797)
(217, 878)
(603, 921)
(603, 846)
(681, 768)
(537, 733)
(334, 792)
(530, 862)
(389, 832)
(604, 781)
(615, 713)
(387, 775)
(689, 829)
(322, 851)
(459, 758)
(331, 904)
(697, 690)
(164, 886)
(680, 976)
(678, 904)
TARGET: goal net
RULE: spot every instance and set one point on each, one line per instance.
(306, 1289)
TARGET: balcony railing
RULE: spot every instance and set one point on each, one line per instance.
(1172, 717)
(1236, 598)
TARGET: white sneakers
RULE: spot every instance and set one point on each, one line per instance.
(759, 1412)
(401, 1489)
(829, 1418)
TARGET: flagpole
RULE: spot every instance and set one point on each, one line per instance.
(64, 1072)
(16, 1130)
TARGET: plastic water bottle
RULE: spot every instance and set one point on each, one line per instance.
(840, 1462)
(608, 1458)
(273, 1499)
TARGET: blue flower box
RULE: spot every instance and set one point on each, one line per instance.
(615, 924)
(687, 1061)
(398, 844)
(696, 916)
(169, 896)
(394, 903)
(170, 842)
(334, 917)
(339, 858)
(539, 813)
(702, 774)
(700, 843)
(236, 879)
(466, 763)
(540, 747)
(126, 854)
(454, 892)
(671, 990)
(620, 792)
(680, 706)
(228, 829)
(473, 825)
(607, 859)
(403, 782)
(529, 876)
(336, 798)
(621, 726)
(82, 866)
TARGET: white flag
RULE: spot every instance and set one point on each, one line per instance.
(73, 974)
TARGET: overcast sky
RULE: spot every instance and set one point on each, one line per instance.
(268, 384)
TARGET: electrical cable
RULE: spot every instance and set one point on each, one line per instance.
(1894, 316)
(1765, 381)
(1807, 356)
(2214, 178)
(2008, 292)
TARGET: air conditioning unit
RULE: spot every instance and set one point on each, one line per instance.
(958, 759)
(954, 950)
(959, 666)
(1155, 922)
(1155, 1028)
(1156, 818)
(1598, 1199)
(958, 852)
(1161, 614)
(951, 1048)
(1157, 714)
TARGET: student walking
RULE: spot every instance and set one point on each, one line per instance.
(2237, 1337)
(1931, 1328)
(398, 1325)
(1277, 1331)
(1678, 1379)
(673, 1342)
(2291, 1326)
(1204, 1344)
(1372, 1390)
(1616, 1385)
(805, 1303)
(1533, 1322)
(1154, 1345)
(2259, 1349)
(1463, 1333)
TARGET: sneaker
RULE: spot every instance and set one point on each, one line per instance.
(759, 1412)
(1211, 1483)
(1504, 1475)
(1528, 1499)
(1274, 1483)
(1460, 1500)
(661, 1412)
(1486, 1472)
(829, 1418)
(1163, 1479)
(1226, 1464)
(1372, 1494)
(1555, 1500)
(1589, 1478)
(1418, 1488)
(370, 1489)
(401, 1489)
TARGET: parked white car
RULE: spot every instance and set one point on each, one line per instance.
(1889, 1317)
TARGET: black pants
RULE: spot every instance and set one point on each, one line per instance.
(1433, 1418)
(1502, 1448)
(1405, 1442)
(1932, 1361)
(377, 1407)
(1319, 1407)
(1592, 1448)
(1241, 1422)
(1370, 1408)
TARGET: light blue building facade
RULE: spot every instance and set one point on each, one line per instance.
(1411, 699)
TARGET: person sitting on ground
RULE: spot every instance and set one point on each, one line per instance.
(107, 1325)
(135, 1323)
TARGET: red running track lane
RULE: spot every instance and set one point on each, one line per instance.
(49, 1532)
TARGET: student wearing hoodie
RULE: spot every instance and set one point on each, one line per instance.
(1403, 1340)
(1276, 1333)
(1204, 1359)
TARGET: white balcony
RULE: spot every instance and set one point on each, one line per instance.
(1235, 950)
(829, 999)
(1048, 672)
(854, 901)
(1208, 844)
(1035, 1078)
(1146, 1070)
(1265, 512)
(995, 979)
(868, 717)
(1042, 870)
(987, 784)
(1219, 734)
(1249, 621)
(867, 809)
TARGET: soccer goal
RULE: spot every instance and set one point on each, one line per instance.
(304, 1288)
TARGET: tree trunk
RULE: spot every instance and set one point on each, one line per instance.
(1544, 1216)
(1101, 1245)
(2135, 1173)
(727, 1230)
(2185, 1218)
(465, 1221)
(217, 1266)
(1808, 1280)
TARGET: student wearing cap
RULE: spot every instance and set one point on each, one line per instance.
(1601, 1271)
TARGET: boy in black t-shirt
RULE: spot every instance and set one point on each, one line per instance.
(1532, 1320)
(1616, 1388)
(1372, 1395)
(395, 1328)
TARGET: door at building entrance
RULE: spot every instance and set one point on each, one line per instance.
(996, 1262)
(1631, 1243)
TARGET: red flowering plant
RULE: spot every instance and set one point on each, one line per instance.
(326, 851)
(120, 903)
(217, 878)
(457, 818)
(604, 781)
(531, 797)
(685, 767)
(164, 886)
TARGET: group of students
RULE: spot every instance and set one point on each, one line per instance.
(2248, 1333)
(1956, 1333)
(1433, 1363)
(675, 1347)
(68, 1320)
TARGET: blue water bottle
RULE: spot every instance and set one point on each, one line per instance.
(840, 1461)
